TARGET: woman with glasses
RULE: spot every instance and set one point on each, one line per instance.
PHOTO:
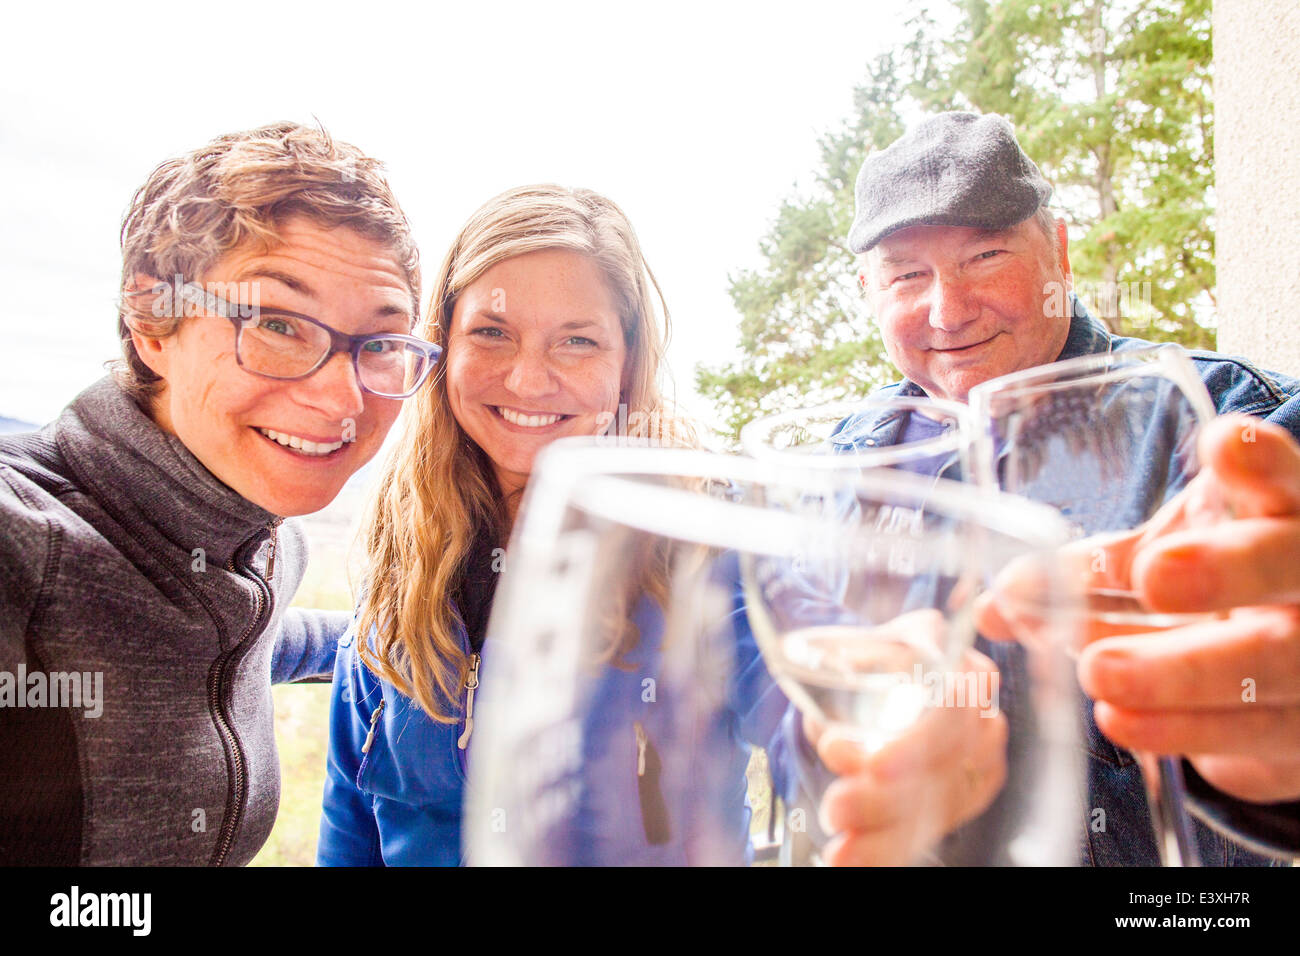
(269, 284)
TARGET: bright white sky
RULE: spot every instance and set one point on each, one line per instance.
(697, 118)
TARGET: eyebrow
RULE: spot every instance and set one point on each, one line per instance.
(571, 324)
(295, 284)
(984, 235)
(284, 278)
(895, 259)
(981, 235)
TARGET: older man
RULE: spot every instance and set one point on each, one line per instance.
(269, 284)
(964, 268)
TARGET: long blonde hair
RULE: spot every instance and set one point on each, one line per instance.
(438, 490)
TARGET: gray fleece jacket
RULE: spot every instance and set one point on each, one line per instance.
(140, 632)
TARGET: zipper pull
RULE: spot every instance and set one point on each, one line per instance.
(649, 788)
(374, 719)
(270, 555)
(471, 684)
(641, 741)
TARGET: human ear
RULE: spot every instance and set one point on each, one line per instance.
(152, 321)
(154, 352)
(1063, 244)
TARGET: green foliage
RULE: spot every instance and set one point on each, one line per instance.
(803, 331)
(1112, 99)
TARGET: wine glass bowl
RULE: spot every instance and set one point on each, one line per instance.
(579, 760)
(909, 433)
(1107, 440)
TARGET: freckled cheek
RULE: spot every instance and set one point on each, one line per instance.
(597, 389)
(470, 378)
(374, 424)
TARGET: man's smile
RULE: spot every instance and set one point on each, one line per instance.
(959, 349)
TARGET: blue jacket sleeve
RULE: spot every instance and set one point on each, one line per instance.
(758, 701)
(349, 835)
(306, 644)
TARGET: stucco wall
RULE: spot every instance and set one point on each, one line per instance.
(1257, 171)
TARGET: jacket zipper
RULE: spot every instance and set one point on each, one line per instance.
(238, 791)
(374, 719)
(471, 685)
(641, 741)
(270, 554)
(649, 787)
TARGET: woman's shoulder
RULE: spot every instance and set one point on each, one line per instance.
(35, 510)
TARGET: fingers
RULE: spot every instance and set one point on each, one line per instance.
(890, 805)
(883, 825)
(1240, 563)
(1269, 733)
(1252, 778)
(940, 732)
(1258, 463)
(1028, 596)
(1250, 659)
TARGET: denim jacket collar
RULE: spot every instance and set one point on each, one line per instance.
(1087, 336)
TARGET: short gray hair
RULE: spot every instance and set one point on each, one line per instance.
(1046, 220)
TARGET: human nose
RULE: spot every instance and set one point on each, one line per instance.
(333, 389)
(951, 305)
(530, 375)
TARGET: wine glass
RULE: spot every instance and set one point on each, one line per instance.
(866, 623)
(904, 432)
(621, 677)
(1106, 439)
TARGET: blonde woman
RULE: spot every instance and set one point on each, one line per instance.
(546, 308)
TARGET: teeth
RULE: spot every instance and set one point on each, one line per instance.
(301, 445)
(528, 421)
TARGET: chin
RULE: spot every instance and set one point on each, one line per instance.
(296, 508)
(298, 501)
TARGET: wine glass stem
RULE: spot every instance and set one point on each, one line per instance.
(1166, 796)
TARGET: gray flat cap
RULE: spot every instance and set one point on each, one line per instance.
(955, 169)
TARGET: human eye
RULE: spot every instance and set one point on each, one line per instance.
(381, 346)
(907, 276)
(278, 324)
(580, 340)
(990, 253)
(487, 332)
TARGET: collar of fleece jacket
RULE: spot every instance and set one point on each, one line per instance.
(150, 479)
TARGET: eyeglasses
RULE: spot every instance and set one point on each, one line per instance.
(289, 346)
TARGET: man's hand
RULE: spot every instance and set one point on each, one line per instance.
(889, 807)
(1226, 692)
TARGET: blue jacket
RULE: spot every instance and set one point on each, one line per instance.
(401, 802)
(1114, 778)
